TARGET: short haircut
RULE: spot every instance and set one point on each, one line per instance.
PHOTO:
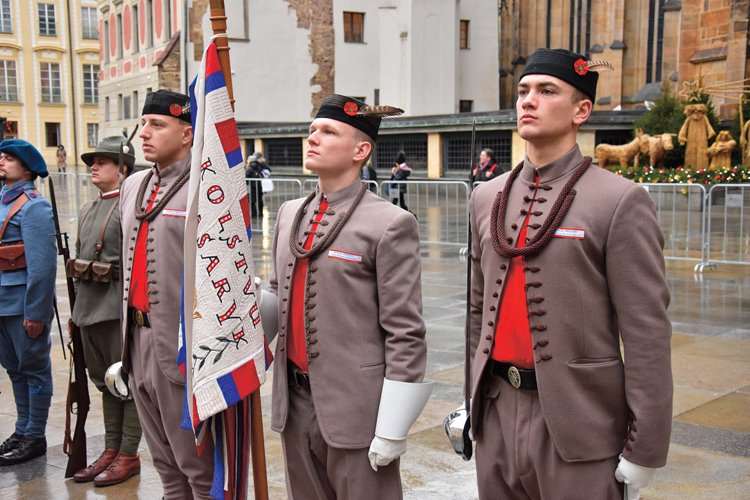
(360, 136)
(579, 95)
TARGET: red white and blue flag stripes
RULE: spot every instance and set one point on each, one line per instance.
(223, 353)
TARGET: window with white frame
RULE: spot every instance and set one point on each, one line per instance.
(89, 24)
(50, 80)
(90, 83)
(8, 82)
(92, 135)
(6, 25)
(47, 25)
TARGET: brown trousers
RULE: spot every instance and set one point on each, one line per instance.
(317, 471)
(516, 458)
(184, 475)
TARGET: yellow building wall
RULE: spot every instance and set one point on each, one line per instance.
(28, 49)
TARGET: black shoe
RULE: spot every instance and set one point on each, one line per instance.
(11, 443)
(26, 450)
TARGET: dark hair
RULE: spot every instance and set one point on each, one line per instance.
(401, 157)
(60, 146)
(489, 152)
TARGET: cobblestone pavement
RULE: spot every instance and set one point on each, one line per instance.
(710, 453)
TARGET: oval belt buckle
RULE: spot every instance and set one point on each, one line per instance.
(138, 317)
(514, 377)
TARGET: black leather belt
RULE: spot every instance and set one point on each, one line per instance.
(139, 317)
(519, 378)
(298, 378)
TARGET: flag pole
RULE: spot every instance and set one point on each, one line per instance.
(218, 19)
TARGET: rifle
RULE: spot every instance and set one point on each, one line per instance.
(77, 402)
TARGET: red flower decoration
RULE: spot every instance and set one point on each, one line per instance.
(175, 109)
(350, 108)
(581, 66)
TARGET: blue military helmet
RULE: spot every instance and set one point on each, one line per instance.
(30, 156)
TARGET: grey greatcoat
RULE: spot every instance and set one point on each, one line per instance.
(363, 318)
(605, 285)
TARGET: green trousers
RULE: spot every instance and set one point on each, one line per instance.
(102, 347)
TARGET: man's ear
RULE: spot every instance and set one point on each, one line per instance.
(362, 151)
(583, 111)
(187, 135)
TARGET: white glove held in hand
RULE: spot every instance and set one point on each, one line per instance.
(384, 451)
(634, 476)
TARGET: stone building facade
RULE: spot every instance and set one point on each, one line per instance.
(648, 42)
(49, 64)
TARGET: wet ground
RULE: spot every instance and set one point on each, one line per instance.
(710, 453)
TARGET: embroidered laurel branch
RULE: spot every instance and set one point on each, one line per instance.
(380, 111)
(600, 65)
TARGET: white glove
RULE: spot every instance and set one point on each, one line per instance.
(634, 476)
(384, 451)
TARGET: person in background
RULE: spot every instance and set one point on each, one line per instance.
(27, 294)
(487, 167)
(62, 158)
(97, 310)
(254, 172)
(400, 172)
(368, 173)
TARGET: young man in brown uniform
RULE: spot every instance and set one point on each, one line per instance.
(97, 310)
(347, 274)
(567, 262)
(152, 210)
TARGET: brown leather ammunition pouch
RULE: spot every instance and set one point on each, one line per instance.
(79, 269)
(87, 270)
(103, 272)
(12, 257)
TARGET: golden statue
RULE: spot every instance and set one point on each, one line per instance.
(696, 131)
(720, 151)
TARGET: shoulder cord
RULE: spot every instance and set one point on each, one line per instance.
(298, 250)
(148, 215)
(551, 224)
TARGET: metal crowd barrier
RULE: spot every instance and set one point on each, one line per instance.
(728, 234)
(284, 189)
(441, 208)
(708, 227)
(680, 210)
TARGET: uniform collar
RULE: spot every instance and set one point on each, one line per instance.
(109, 194)
(9, 195)
(553, 170)
(174, 170)
(347, 193)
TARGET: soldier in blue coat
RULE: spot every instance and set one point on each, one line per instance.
(27, 292)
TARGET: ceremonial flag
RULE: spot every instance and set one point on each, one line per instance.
(223, 353)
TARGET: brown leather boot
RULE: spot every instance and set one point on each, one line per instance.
(96, 468)
(121, 469)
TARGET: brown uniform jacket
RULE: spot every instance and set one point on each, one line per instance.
(593, 292)
(363, 319)
(164, 254)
